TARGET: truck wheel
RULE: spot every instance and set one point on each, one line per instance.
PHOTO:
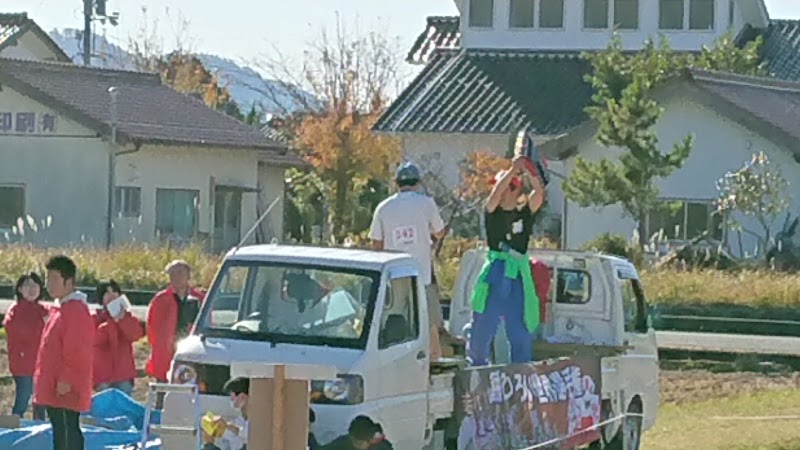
(629, 436)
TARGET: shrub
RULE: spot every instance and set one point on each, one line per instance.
(617, 245)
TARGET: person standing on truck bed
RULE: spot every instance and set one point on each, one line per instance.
(170, 317)
(505, 287)
(405, 222)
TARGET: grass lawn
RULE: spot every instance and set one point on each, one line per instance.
(706, 425)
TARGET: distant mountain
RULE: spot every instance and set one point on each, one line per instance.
(247, 87)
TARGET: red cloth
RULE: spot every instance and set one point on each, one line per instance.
(542, 277)
(65, 356)
(113, 347)
(162, 321)
(24, 323)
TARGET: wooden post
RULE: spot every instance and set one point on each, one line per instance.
(279, 401)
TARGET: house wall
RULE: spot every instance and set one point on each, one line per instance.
(29, 46)
(720, 145)
(168, 167)
(63, 174)
(65, 177)
(271, 181)
(574, 37)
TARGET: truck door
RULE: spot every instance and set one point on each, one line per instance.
(640, 363)
(403, 353)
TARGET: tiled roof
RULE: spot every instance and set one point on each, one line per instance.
(772, 101)
(781, 49)
(147, 110)
(493, 92)
(13, 26)
(441, 32)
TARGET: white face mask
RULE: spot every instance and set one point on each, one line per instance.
(233, 404)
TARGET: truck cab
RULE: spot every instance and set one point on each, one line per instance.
(364, 312)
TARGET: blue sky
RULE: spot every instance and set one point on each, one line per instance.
(244, 29)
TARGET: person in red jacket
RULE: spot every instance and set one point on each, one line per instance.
(114, 366)
(63, 378)
(24, 323)
(170, 317)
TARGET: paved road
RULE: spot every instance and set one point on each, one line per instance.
(668, 340)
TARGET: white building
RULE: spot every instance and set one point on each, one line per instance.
(183, 171)
(505, 64)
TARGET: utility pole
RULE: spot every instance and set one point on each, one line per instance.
(87, 32)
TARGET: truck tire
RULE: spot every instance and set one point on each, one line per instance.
(629, 436)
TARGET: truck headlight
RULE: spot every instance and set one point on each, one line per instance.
(344, 390)
(184, 374)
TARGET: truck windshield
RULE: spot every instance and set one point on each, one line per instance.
(291, 303)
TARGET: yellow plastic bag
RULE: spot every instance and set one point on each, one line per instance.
(209, 424)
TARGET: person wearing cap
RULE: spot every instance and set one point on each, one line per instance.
(505, 288)
(405, 222)
(170, 317)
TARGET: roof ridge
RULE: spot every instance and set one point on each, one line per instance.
(745, 80)
(81, 68)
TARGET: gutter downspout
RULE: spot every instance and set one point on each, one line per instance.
(112, 162)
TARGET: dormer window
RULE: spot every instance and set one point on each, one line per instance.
(595, 14)
(481, 13)
(601, 14)
(543, 14)
(520, 14)
(686, 14)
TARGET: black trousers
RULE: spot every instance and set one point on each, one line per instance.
(67, 433)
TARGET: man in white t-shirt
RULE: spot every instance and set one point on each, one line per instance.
(405, 222)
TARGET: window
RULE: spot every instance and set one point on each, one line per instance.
(701, 14)
(305, 304)
(626, 14)
(481, 13)
(731, 12)
(177, 212)
(595, 14)
(551, 13)
(670, 14)
(400, 318)
(128, 201)
(573, 287)
(688, 220)
(13, 200)
(634, 306)
(520, 14)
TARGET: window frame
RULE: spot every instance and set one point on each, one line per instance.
(416, 328)
(512, 16)
(23, 214)
(471, 24)
(555, 293)
(641, 323)
(538, 16)
(613, 6)
(686, 21)
(195, 228)
(684, 226)
(121, 204)
(609, 16)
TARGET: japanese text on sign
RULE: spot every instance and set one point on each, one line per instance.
(27, 123)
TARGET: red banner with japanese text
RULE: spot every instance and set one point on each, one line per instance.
(520, 405)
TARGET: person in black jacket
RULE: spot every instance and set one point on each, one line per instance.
(362, 434)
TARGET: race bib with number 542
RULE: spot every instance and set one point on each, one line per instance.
(405, 235)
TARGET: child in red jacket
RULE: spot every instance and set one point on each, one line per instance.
(63, 378)
(114, 366)
(24, 323)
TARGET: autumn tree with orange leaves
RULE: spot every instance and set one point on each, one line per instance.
(352, 78)
(180, 69)
(476, 172)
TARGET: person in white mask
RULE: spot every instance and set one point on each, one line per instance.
(231, 434)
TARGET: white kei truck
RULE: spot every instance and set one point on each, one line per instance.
(364, 312)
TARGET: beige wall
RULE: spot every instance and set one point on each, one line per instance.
(65, 176)
(29, 46)
(271, 181)
(720, 145)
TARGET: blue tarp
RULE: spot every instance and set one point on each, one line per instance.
(119, 419)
